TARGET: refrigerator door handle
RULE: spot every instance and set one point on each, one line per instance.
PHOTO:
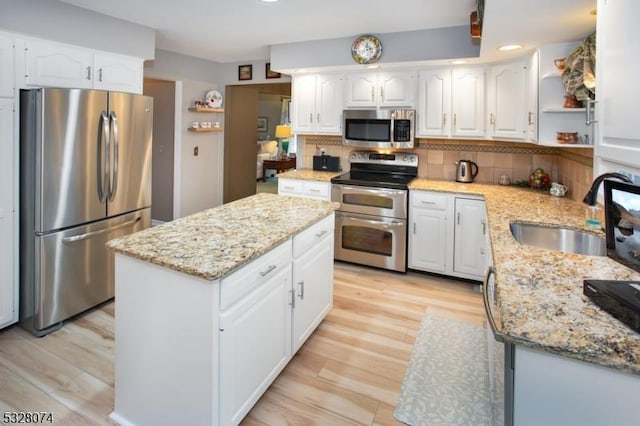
(103, 152)
(102, 231)
(113, 183)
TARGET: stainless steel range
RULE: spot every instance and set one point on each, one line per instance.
(371, 223)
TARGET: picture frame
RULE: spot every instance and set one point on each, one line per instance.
(270, 74)
(245, 72)
(262, 124)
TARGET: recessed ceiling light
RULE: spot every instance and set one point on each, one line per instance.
(508, 47)
(458, 62)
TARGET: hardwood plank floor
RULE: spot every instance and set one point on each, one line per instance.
(349, 372)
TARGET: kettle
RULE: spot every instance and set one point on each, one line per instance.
(466, 171)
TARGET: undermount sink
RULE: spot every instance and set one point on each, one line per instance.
(558, 238)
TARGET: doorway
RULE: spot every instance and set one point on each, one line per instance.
(163, 159)
(241, 136)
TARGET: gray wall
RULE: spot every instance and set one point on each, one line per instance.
(53, 20)
(409, 46)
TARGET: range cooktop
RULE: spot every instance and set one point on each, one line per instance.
(379, 180)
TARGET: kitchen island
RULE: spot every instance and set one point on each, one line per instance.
(212, 306)
(574, 362)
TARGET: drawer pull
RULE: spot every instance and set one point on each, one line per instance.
(292, 303)
(428, 202)
(321, 233)
(268, 270)
(301, 291)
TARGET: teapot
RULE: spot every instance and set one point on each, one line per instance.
(465, 171)
(558, 189)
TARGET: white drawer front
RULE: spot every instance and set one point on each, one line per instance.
(289, 186)
(239, 283)
(314, 189)
(310, 236)
(429, 200)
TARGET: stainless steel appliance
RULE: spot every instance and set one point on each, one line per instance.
(466, 171)
(378, 128)
(371, 223)
(85, 178)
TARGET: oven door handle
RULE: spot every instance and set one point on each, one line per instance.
(377, 191)
(376, 223)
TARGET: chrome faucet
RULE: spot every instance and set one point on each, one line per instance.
(592, 195)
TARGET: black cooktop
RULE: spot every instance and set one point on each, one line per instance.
(374, 179)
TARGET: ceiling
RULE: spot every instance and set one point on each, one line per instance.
(243, 30)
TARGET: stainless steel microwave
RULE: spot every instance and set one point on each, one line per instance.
(383, 128)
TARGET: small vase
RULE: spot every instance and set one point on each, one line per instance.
(570, 101)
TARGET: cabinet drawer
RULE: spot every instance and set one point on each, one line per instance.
(239, 283)
(289, 186)
(312, 235)
(313, 189)
(429, 200)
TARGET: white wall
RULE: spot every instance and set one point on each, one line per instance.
(53, 20)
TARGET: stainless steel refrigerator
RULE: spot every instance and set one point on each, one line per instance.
(85, 178)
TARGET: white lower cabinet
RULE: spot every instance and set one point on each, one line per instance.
(448, 234)
(305, 188)
(224, 342)
(255, 344)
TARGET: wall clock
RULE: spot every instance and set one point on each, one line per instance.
(366, 49)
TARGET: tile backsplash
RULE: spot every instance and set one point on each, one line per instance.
(437, 157)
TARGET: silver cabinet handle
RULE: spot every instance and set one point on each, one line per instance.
(321, 233)
(310, 117)
(428, 202)
(103, 162)
(484, 227)
(292, 302)
(100, 74)
(381, 92)
(317, 117)
(458, 218)
(301, 291)
(588, 118)
(88, 73)
(531, 119)
(492, 119)
(414, 228)
(454, 119)
(100, 232)
(487, 305)
(269, 269)
(444, 118)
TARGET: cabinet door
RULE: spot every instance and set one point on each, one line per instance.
(255, 345)
(470, 252)
(8, 313)
(397, 89)
(304, 101)
(361, 90)
(507, 102)
(468, 102)
(427, 240)
(532, 97)
(6, 66)
(434, 103)
(313, 290)
(118, 73)
(52, 64)
(328, 106)
(617, 137)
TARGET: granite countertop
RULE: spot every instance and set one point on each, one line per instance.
(306, 174)
(215, 242)
(539, 292)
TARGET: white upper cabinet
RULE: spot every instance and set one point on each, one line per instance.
(617, 90)
(317, 103)
(380, 89)
(6, 66)
(116, 72)
(509, 113)
(59, 65)
(467, 102)
(434, 103)
(8, 223)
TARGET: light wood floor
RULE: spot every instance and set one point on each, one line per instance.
(348, 372)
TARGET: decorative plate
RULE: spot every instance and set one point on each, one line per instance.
(366, 49)
(213, 99)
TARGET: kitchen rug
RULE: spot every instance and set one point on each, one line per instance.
(447, 380)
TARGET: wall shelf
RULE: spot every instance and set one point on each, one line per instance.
(563, 110)
(193, 109)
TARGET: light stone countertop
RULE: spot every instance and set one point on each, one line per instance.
(215, 242)
(307, 174)
(539, 292)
